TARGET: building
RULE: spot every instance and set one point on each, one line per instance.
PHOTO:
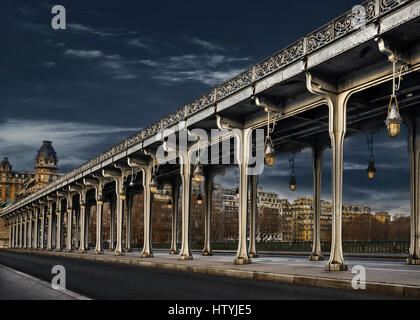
(11, 182)
(383, 217)
(19, 184)
(271, 200)
(15, 185)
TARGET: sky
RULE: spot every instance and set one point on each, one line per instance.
(122, 65)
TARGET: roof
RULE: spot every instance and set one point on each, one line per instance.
(5, 161)
(47, 151)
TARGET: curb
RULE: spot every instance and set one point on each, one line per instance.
(381, 288)
(46, 284)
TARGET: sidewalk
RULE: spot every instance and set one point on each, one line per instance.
(382, 277)
(15, 285)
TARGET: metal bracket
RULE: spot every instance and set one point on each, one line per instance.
(227, 124)
(268, 104)
(393, 54)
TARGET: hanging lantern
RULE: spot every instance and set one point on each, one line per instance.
(269, 154)
(154, 184)
(371, 167)
(170, 205)
(237, 192)
(393, 121)
(371, 170)
(198, 173)
(200, 199)
(292, 183)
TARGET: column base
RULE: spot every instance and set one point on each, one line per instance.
(185, 257)
(336, 267)
(173, 251)
(128, 250)
(253, 255)
(412, 261)
(111, 249)
(82, 251)
(147, 255)
(316, 257)
(98, 252)
(69, 250)
(58, 250)
(118, 253)
(242, 260)
(207, 253)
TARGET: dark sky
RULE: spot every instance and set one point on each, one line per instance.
(121, 65)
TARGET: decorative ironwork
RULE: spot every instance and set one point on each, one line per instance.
(320, 37)
(349, 21)
(235, 84)
(386, 5)
(280, 59)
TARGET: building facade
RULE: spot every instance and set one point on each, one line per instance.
(19, 184)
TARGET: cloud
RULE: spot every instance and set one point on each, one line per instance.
(49, 64)
(90, 54)
(75, 143)
(206, 45)
(89, 30)
(114, 65)
(207, 69)
(136, 42)
(207, 77)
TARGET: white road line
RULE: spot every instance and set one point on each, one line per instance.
(46, 284)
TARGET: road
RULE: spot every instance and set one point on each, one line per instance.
(99, 280)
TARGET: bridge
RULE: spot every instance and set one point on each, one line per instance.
(354, 75)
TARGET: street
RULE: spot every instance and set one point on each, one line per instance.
(99, 280)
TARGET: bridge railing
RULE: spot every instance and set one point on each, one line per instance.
(379, 246)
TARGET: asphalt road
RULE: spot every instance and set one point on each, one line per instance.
(98, 280)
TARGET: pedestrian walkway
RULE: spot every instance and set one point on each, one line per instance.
(15, 285)
(389, 277)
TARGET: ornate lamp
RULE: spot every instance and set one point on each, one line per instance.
(170, 205)
(200, 199)
(237, 192)
(292, 182)
(154, 181)
(132, 178)
(269, 154)
(198, 173)
(394, 120)
(371, 170)
(153, 184)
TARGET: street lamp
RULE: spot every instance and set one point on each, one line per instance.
(198, 173)
(170, 205)
(371, 170)
(153, 184)
(394, 120)
(200, 199)
(269, 154)
(292, 182)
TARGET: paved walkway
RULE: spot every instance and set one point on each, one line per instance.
(15, 285)
(391, 277)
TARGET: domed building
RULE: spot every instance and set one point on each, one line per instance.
(19, 184)
(45, 165)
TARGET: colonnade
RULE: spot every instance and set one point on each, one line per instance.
(29, 229)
